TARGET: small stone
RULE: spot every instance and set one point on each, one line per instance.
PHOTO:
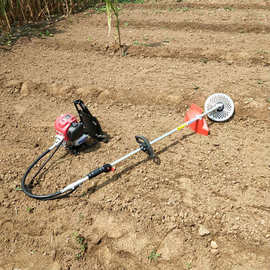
(54, 254)
(27, 88)
(214, 251)
(104, 96)
(214, 245)
(203, 231)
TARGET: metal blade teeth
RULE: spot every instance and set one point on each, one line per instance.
(226, 113)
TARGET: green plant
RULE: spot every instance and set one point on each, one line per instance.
(30, 209)
(81, 241)
(131, 1)
(189, 265)
(112, 7)
(185, 9)
(101, 9)
(228, 8)
(262, 51)
(153, 255)
(204, 60)
(48, 33)
(81, 216)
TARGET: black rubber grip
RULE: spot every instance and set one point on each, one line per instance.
(100, 170)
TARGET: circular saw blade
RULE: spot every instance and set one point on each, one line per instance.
(219, 115)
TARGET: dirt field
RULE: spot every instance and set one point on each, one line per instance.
(206, 205)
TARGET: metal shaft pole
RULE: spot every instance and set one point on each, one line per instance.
(166, 134)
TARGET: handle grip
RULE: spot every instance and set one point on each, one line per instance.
(94, 173)
(98, 171)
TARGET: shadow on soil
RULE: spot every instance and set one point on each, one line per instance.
(156, 160)
(40, 30)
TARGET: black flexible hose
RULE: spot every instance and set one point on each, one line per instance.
(25, 188)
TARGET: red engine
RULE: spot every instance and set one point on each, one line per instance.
(63, 123)
(66, 125)
(76, 133)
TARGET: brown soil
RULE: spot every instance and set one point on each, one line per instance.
(175, 54)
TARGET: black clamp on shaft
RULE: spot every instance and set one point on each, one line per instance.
(145, 145)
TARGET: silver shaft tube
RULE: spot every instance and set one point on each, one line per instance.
(74, 184)
(166, 134)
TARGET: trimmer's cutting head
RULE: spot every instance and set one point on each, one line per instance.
(224, 112)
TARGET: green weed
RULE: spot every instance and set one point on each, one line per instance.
(48, 33)
(185, 9)
(81, 216)
(204, 60)
(30, 209)
(131, 1)
(101, 9)
(228, 8)
(261, 51)
(81, 241)
(154, 255)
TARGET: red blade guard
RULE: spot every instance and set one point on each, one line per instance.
(199, 126)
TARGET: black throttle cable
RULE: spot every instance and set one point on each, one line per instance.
(65, 191)
(26, 188)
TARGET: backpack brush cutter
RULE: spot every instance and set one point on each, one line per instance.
(73, 134)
